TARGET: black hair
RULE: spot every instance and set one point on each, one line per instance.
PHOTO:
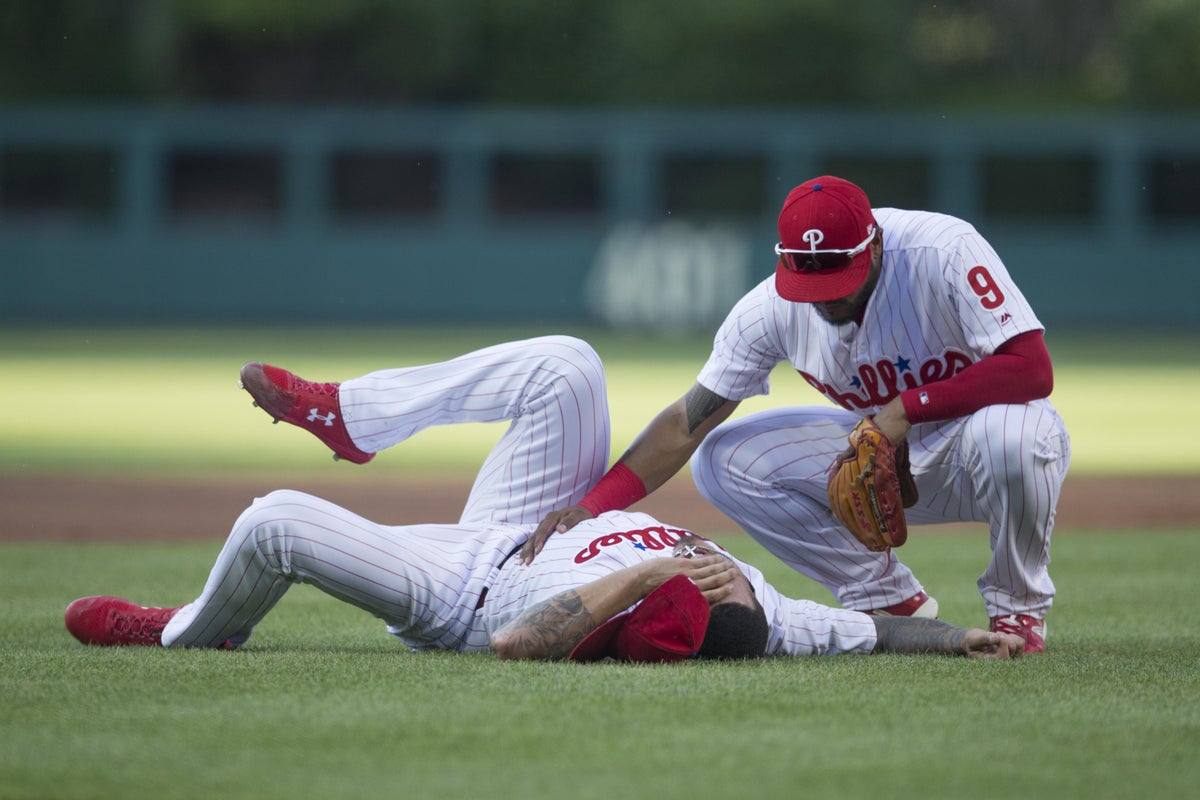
(735, 631)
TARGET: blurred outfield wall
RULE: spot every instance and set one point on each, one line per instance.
(656, 220)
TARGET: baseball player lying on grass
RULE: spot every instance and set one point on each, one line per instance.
(622, 585)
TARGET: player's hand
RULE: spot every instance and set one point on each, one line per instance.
(555, 522)
(713, 574)
(893, 421)
(982, 644)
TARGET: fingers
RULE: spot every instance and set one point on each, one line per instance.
(719, 594)
(537, 541)
(554, 522)
(530, 549)
(1012, 645)
(712, 575)
(984, 644)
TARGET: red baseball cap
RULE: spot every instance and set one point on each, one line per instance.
(829, 218)
(669, 625)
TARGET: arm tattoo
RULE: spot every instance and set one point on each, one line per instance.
(918, 635)
(553, 627)
(701, 404)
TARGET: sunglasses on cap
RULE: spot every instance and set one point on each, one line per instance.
(814, 259)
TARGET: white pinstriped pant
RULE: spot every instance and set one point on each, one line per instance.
(1003, 465)
(424, 581)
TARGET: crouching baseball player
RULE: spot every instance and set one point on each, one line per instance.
(622, 585)
(938, 378)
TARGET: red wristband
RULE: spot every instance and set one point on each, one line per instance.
(619, 488)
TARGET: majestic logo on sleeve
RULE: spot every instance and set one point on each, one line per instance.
(874, 384)
(654, 538)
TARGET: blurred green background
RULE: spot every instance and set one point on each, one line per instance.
(617, 165)
(343, 186)
(164, 401)
(961, 53)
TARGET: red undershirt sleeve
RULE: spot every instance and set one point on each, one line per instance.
(1018, 372)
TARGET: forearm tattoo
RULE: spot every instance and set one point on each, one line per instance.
(553, 627)
(918, 635)
(701, 404)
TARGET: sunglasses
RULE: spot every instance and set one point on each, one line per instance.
(814, 259)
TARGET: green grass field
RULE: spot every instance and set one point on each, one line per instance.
(322, 703)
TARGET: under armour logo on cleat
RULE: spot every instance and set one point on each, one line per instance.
(314, 415)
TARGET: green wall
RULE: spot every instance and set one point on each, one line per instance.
(643, 219)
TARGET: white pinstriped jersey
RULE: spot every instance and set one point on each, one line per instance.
(944, 301)
(615, 540)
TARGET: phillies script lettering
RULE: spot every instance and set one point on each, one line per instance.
(885, 379)
(655, 538)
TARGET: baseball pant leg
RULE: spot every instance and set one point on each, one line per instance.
(1017, 456)
(1004, 466)
(768, 472)
(551, 390)
(417, 578)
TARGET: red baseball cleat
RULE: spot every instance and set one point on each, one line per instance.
(311, 406)
(111, 621)
(919, 605)
(1031, 629)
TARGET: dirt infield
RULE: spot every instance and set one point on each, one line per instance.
(114, 509)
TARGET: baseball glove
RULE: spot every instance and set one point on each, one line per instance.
(870, 485)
